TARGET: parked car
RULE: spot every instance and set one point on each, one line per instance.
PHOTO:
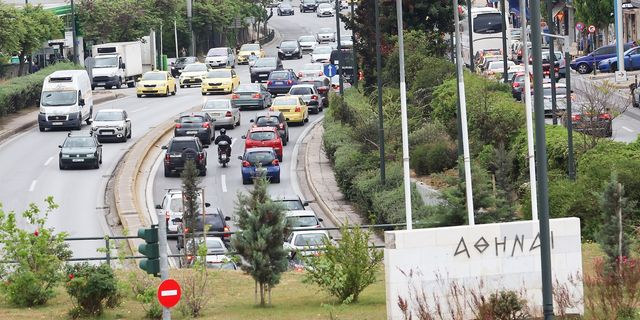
(193, 74)
(590, 120)
(326, 35)
(289, 49)
(111, 124)
(325, 10)
(281, 81)
(258, 161)
(285, 9)
(180, 64)
(264, 137)
(82, 150)
(215, 221)
(220, 81)
(309, 94)
(251, 95)
(246, 50)
(263, 67)
(293, 108)
(198, 124)
(308, 5)
(181, 149)
(273, 119)
(631, 61)
(156, 83)
(307, 43)
(223, 112)
(221, 57)
(586, 63)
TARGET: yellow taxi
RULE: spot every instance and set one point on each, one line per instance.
(156, 83)
(292, 107)
(220, 80)
(193, 74)
(245, 52)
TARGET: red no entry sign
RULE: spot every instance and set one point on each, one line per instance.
(169, 293)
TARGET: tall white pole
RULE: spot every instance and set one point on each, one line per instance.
(405, 126)
(526, 95)
(621, 74)
(463, 115)
(164, 263)
(161, 64)
(175, 35)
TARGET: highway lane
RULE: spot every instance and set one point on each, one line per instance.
(221, 185)
(29, 169)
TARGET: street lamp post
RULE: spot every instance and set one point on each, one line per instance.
(354, 79)
(376, 7)
(192, 47)
(505, 75)
(74, 33)
(552, 63)
(340, 60)
(470, 22)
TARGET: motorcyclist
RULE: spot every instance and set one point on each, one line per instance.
(224, 137)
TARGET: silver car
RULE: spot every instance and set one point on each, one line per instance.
(325, 10)
(321, 54)
(307, 43)
(326, 35)
(111, 124)
(224, 112)
(311, 72)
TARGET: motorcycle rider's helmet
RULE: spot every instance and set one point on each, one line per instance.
(223, 131)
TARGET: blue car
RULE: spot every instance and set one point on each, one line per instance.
(257, 161)
(586, 63)
(281, 81)
(631, 61)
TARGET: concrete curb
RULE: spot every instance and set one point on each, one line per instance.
(6, 134)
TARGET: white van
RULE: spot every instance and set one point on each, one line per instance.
(66, 100)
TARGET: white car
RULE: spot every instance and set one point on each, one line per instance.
(497, 67)
(302, 219)
(310, 72)
(172, 208)
(111, 124)
(307, 43)
(221, 57)
(326, 35)
(223, 112)
(325, 10)
(304, 242)
(193, 74)
(321, 54)
(346, 41)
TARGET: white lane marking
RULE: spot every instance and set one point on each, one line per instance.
(623, 127)
(48, 161)
(223, 181)
(233, 141)
(138, 110)
(33, 185)
(168, 293)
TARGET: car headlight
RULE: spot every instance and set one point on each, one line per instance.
(65, 156)
(89, 155)
(280, 50)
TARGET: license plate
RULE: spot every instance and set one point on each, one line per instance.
(288, 54)
(279, 82)
(78, 160)
(263, 75)
(215, 114)
(175, 156)
(192, 132)
(101, 83)
(57, 123)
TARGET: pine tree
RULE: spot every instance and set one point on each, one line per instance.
(190, 204)
(260, 241)
(614, 207)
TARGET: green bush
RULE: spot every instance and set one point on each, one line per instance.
(22, 92)
(428, 132)
(349, 162)
(433, 157)
(335, 135)
(388, 205)
(368, 183)
(91, 288)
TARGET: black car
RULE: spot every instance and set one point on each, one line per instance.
(274, 119)
(180, 63)
(263, 67)
(310, 95)
(323, 86)
(347, 62)
(285, 9)
(289, 49)
(181, 149)
(216, 223)
(80, 151)
(589, 120)
(308, 5)
(198, 124)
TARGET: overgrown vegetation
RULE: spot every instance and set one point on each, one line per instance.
(91, 288)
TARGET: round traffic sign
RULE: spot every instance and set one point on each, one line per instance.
(169, 293)
(592, 29)
(580, 26)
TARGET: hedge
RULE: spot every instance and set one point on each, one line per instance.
(22, 92)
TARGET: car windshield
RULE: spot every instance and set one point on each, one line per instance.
(195, 67)
(292, 101)
(301, 90)
(262, 135)
(487, 23)
(325, 30)
(307, 39)
(285, 5)
(289, 44)
(322, 50)
(154, 76)
(324, 6)
(345, 38)
(310, 239)
(250, 47)
(176, 205)
(79, 142)
(216, 52)
(58, 98)
(265, 62)
(313, 67)
(219, 74)
(279, 76)
(496, 65)
(109, 116)
(105, 62)
(248, 88)
(267, 121)
(302, 221)
(217, 104)
(178, 146)
(291, 205)
(213, 244)
(192, 119)
(262, 157)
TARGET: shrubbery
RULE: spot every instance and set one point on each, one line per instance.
(22, 92)
(91, 288)
(433, 157)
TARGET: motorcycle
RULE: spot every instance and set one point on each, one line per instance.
(223, 148)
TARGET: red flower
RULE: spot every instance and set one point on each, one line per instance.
(71, 276)
(36, 233)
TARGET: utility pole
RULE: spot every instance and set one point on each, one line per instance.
(353, 48)
(192, 47)
(552, 62)
(621, 73)
(376, 7)
(541, 160)
(470, 21)
(175, 34)
(74, 33)
(340, 60)
(505, 75)
(164, 263)
(526, 96)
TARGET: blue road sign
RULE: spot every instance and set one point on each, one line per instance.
(330, 70)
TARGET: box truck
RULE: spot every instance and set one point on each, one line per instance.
(116, 64)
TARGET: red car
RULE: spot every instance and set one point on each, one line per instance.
(264, 137)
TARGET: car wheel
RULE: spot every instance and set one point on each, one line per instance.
(79, 126)
(175, 90)
(129, 134)
(583, 68)
(139, 95)
(203, 172)
(119, 85)
(167, 172)
(131, 84)
(204, 93)
(246, 181)
(182, 86)
(61, 166)
(166, 94)
(96, 165)
(100, 161)
(188, 86)
(41, 128)
(238, 122)
(614, 67)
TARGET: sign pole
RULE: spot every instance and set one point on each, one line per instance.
(621, 73)
(164, 265)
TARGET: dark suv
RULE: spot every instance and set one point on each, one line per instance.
(274, 119)
(263, 67)
(216, 222)
(198, 124)
(181, 149)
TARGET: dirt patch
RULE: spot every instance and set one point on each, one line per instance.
(436, 181)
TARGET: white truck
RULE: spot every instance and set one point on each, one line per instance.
(116, 64)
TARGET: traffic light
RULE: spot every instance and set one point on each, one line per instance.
(150, 249)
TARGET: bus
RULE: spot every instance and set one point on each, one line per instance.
(486, 33)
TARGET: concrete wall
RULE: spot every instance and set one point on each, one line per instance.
(479, 259)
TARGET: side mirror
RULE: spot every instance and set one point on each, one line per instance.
(243, 137)
(320, 219)
(99, 145)
(239, 157)
(159, 207)
(286, 119)
(127, 120)
(81, 102)
(90, 119)
(122, 66)
(207, 204)
(251, 121)
(59, 146)
(227, 218)
(306, 203)
(164, 148)
(278, 47)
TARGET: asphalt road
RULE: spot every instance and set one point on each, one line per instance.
(221, 185)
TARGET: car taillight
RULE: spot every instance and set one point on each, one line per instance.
(575, 117)
(323, 90)
(226, 229)
(519, 52)
(257, 96)
(246, 164)
(189, 258)
(516, 84)
(205, 125)
(200, 156)
(235, 96)
(167, 157)
(178, 125)
(275, 162)
(297, 109)
(268, 82)
(300, 74)
(314, 97)
(289, 82)
(167, 216)
(320, 73)
(605, 116)
(228, 114)
(281, 126)
(186, 230)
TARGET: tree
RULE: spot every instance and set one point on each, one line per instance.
(595, 12)
(260, 241)
(10, 27)
(36, 26)
(190, 202)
